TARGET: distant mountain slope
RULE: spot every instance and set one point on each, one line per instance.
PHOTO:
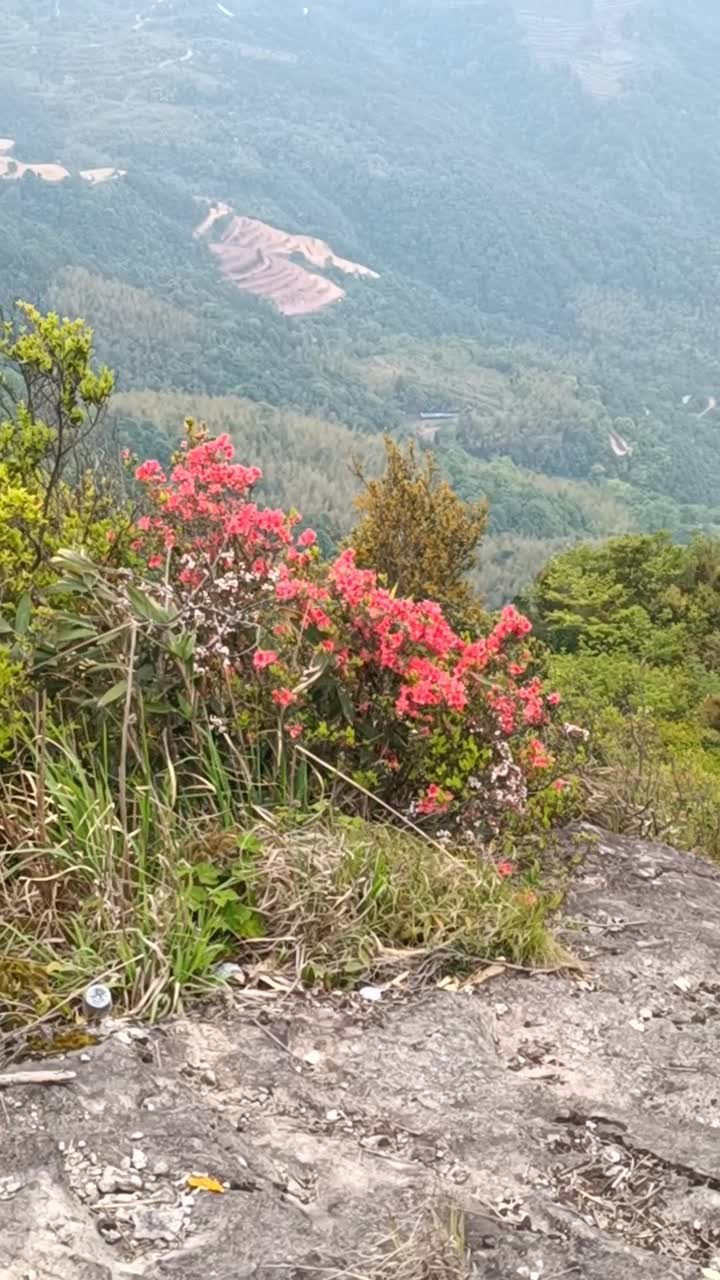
(597, 39)
(536, 179)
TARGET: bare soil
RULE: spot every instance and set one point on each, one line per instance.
(258, 259)
(12, 169)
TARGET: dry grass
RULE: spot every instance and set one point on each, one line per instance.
(644, 789)
(430, 1246)
(365, 900)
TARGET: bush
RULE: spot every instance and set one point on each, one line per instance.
(662, 786)
(419, 536)
(179, 663)
(238, 629)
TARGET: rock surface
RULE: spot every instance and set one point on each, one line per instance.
(573, 1120)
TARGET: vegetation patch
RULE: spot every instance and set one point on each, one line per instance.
(220, 744)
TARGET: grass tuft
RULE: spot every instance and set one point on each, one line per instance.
(151, 898)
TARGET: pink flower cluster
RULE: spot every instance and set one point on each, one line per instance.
(338, 634)
(203, 506)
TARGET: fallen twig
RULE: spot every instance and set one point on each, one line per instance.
(36, 1077)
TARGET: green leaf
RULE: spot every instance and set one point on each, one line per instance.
(225, 898)
(67, 632)
(250, 843)
(5, 628)
(155, 707)
(348, 709)
(206, 873)
(197, 896)
(73, 561)
(148, 608)
(68, 586)
(118, 691)
(183, 646)
(244, 922)
(22, 615)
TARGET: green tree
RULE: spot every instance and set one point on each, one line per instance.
(51, 403)
(628, 595)
(419, 534)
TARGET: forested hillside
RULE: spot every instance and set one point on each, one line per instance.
(519, 199)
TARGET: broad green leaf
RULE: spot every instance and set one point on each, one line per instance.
(183, 646)
(68, 587)
(348, 709)
(156, 708)
(148, 608)
(118, 691)
(250, 843)
(74, 561)
(67, 632)
(206, 873)
(225, 898)
(22, 615)
(197, 896)
(244, 922)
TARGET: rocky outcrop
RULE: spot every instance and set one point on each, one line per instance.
(573, 1121)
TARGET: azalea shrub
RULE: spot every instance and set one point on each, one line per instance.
(286, 653)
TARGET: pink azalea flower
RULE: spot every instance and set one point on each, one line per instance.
(284, 697)
(264, 658)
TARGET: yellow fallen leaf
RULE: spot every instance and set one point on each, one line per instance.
(483, 975)
(198, 1183)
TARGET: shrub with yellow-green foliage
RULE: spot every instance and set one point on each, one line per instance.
(54, 490)
(52, 406)
(419, 535)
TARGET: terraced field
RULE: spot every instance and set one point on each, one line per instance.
(592, 38)
(447, 376)
(258, 258)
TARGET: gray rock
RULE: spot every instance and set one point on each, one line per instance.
(153, 1225)
(541, 1126)
(113, 1180)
